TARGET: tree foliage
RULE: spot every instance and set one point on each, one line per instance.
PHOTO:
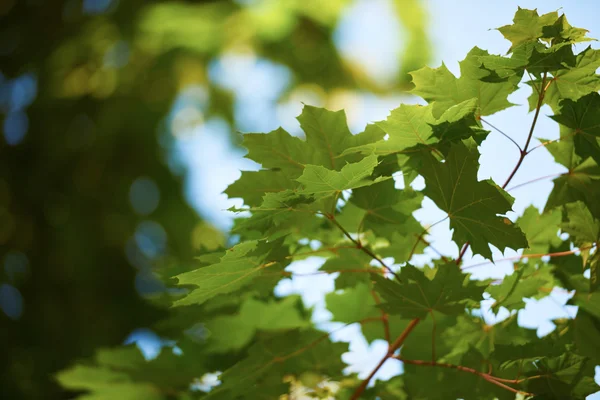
(92, 209)
(337, 190)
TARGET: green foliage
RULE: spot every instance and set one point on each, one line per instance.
(333, 195)
(94, 90)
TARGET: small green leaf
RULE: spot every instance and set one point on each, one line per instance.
(445, 90)
(323, 182)
(527, 26)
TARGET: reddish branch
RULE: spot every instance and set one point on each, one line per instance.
(483, 375)
(537, 255)
(390, 354)
(384, 318)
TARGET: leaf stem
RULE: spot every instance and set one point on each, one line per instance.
(502, 133)
(390, 353)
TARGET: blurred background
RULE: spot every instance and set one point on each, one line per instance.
(121, 124)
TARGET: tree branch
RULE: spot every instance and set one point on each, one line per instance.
(392, 348)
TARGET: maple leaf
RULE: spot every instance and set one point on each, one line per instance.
(582, 226)
(411, 125)
(583, 116)
(353, 304)
(232, 332)
(541, 230)
(253, 185)
(237, 268)
(352, 264)
(327, 136)
(562, 377)
(587, 335)
(323, 182)
(527, 280)
(570, 83)
(417, 295)
(445, 90)
(528, 26)
(473, 206)
(261, 373)
(387, 209)
(582, 182)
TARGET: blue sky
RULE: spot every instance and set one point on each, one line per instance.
(367, 32)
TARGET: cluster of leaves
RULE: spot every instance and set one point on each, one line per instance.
(338, 191)
(85, 87)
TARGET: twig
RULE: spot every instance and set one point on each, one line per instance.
(462, 253)
(321, 250)
(384, 319)
(390, 353)
(360, 246)
(428, 244)
(537, 255)
(487, 377)
(533, 181)
(421, 236)
(502, 133)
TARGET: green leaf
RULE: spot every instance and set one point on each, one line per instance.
(280, 150)
(412, 125)
(471, 332)
(473, 206)
(583, 116)
(352, 265)
(268, 361)
(105, 384)
(253, 185)
(323, 182)
(527, 26)
(569, 376)
(449, 292)
(526, 281)
(327, 136)
(541, 230)
(353, 304)
(571, 83)
(388, 210)
(236, 269)
(227, 333)
(587, 335)
(445, 90)
(582, 182)
(581, 225)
